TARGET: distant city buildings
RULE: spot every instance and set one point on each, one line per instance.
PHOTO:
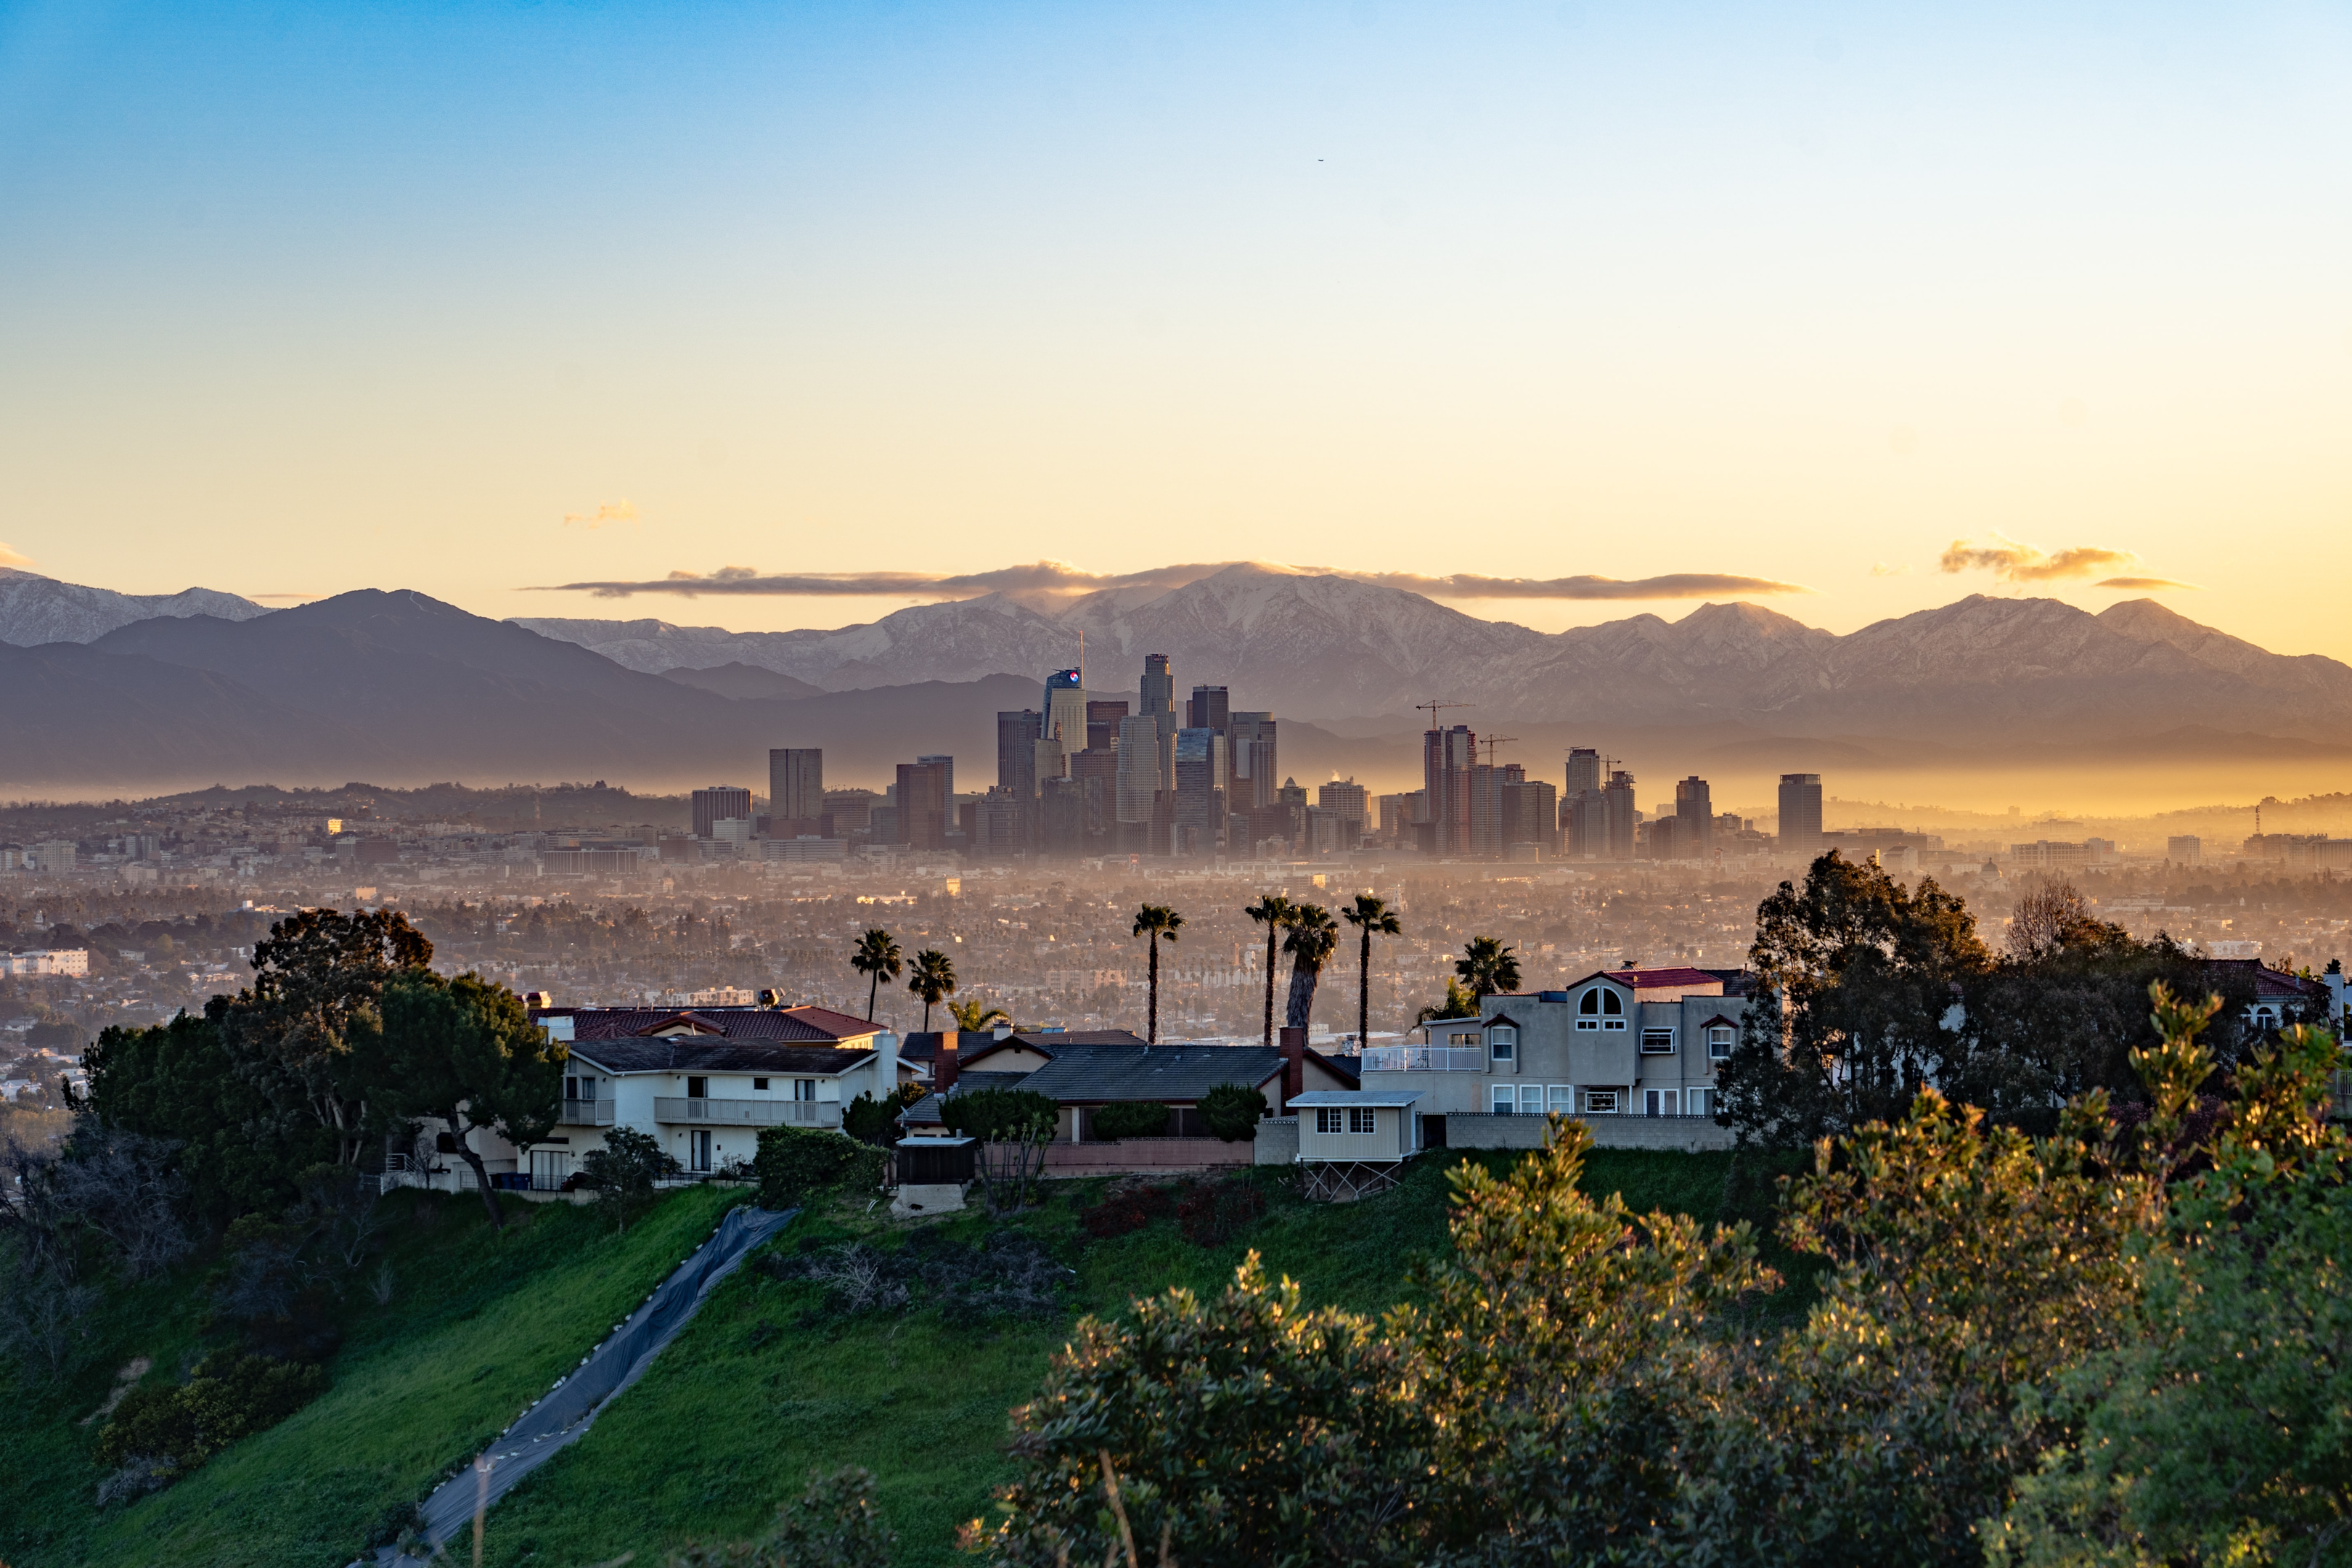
(1801, 814)
(719, 802)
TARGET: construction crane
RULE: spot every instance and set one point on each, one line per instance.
(1431, 707)
(1494, 746)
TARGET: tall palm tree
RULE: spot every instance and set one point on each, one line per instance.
(1313, 936)
(933, 977)
(876, 957)
(1155, 921)
(1375, 917)
(1488, 967)
(1273, 911)
(973, 1016)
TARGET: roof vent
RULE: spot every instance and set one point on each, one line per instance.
(771, 998)
(539, 998)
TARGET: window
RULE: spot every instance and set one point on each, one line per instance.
(1563, 1099)
(1601, 1101)
(1502, 1041)
(1601, 1008)
(1657, 1042)
(803, 1088)
(1531, 1100)
(571, 1088)
(1699, 1102)
(1327, 1118)
(758, 1085)
(1718, 1042)
(1360, 1120)
(1661, 1103)
(1467, 1040)
(698, 1089)
(1505, 1101)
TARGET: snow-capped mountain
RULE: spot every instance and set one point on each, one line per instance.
(35, 609)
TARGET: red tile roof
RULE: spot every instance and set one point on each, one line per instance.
(789, 1026)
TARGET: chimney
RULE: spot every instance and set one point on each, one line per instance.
(1294, 1068)
(943, 1065)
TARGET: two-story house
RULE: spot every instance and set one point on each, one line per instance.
(704, 1081)
(1622, 1042)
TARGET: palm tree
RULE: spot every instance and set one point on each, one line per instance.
(1273, 911)
(1488, 967)
(973, 1016)
(933, 978)
(875, 956)
(1155, 921)
(1313, 936)
(1375, 917)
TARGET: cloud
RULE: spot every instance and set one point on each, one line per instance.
(2015, 562)
(10, 558)
(1881, 569)
(2151, 583)
(611, 511)
(1061, 578)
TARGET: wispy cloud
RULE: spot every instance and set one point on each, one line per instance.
(2153, 585)
(1060, 577)
(2013, 562)
(10, 558)
(1881, 569)
(610, 513)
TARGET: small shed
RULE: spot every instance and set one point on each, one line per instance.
(1353, 1142)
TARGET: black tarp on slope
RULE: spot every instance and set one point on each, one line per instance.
(572, 1405)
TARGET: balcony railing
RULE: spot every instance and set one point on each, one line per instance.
(587, 1113)
(750, 1112)
(1423, 1058)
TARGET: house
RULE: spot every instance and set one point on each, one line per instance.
(704, 1081)
(1083, 1071)
(1622, 1042)
(2281, 998)
(1353, 1142)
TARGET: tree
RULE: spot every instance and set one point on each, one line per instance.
(876, 957)
(1489, 968)
(2050, 912)
(1312, 937)
(622, 1173)
(933, 977)
(1014, 1126)
(1858, 974)
(465, 1052)
(1232, 1112)
(1273, 911)
(178, 1082)
(315, 977)
(1458, 1004)
(1154, 923)
(973, 1016)
(872, 1120)
(1372, 917)
(1129, 1118)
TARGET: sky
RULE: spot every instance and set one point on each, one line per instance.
(483, 299)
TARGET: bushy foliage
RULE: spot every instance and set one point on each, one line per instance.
(178, 1082)
(1126, 1207)
(174, 1427)
(1008, 1274)
(872, 1120)
(1128, 1118)
(1014, 1126)
(1232, 1112)
(622, 1173)
(796, 1163)
(835, 1524)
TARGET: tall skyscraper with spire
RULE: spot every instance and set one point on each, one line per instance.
(1159, 705)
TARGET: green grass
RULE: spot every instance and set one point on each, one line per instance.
(761, 1389)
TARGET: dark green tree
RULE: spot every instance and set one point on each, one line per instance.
(1372, 917)
(622, 1173)
(1014, 1126)
(1273, 911)
(1156, 923)
(1232, 1112)
(1488, 967)
(1856, 977)
(933, 978)
(1312, 937)
(1129, 1118)
(178, 1082)
(876, 957)
(316, 977)
(463, 1053)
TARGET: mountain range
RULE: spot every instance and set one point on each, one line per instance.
(401, 687)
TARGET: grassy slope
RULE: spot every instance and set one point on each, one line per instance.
(727, 1423)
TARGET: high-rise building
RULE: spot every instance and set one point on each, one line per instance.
(1138, 768)
(1349, 799)
(1250, 740)
(1198, 805)
(1446, 758)
(719, 802)
(1619, 814)
(1487, 785)
(1016, 751)
(795, 786)
(2185, 849)
(920, 820)
(1801, 814)
(1158, 701)
(1207, 710)
(1530, 816)
(1583, 772)
(1695, 819)
(1066, 708)
(945, 762)
(1102, 725)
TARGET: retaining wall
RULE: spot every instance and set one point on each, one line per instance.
(1146, 1156)
(1693, 1133)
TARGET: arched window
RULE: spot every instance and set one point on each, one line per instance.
(1591, 1004)
(1612, 1004)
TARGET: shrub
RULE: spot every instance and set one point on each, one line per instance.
(1125, 1209)
(228, 1396)
(623, 1172)
(1232, 1112)
(1129, 1118)
(1214, 1213)
(796, 1162)
(872, 1120)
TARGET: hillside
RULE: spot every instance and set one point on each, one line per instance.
(38, 609)
(762, 1386)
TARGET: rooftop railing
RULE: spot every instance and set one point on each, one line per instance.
(1423, 1058)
